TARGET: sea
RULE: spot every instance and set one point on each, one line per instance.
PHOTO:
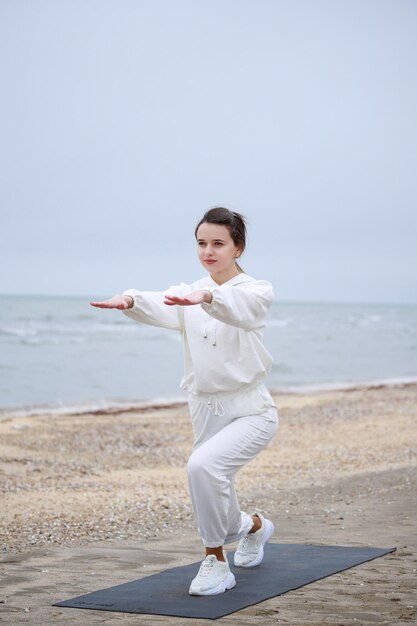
(59, 354)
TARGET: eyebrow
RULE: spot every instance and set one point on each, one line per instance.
(215, 240)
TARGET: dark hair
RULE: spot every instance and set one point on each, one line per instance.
(234, 222)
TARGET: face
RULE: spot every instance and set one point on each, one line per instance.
(216, 249)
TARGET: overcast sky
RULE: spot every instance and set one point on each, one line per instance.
(122, 120)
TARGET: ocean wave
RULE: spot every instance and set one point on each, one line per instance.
(52, 341)
(36, 333)
(363, 319)
(33, 328)
(16, 331)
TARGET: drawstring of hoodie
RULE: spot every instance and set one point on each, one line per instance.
(214, 337)
(214, 403)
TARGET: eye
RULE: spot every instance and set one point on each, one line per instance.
(219, 243)
(201, 243)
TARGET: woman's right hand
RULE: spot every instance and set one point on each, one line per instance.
(116, 302)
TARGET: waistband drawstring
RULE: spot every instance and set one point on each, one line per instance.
(217, 406)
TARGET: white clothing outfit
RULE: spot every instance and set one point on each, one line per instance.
(232, 413)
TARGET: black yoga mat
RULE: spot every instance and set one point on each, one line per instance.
(285, 567)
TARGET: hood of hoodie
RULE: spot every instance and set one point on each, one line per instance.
(236, 280)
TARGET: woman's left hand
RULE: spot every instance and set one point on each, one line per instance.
(196, 297)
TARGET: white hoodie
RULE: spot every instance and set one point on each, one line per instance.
(223, 350)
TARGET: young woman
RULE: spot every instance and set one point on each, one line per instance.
(220, 318)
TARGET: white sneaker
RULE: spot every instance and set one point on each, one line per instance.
(213, 577)
(250, 550)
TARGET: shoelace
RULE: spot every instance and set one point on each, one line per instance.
(206, 566)
(217, 406)
(248, 541)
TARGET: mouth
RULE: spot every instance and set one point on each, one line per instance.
(209, 261)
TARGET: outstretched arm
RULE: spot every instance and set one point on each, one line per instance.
(116, 302)
(196, 297)
(150, 307)
(244, 306)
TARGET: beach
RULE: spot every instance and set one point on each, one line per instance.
(97, 499)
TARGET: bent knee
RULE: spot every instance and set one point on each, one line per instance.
(194, 465)
(199, 466)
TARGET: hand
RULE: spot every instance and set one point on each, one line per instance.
(116, 302)
(196, 297)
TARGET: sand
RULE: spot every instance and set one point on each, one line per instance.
(94, 500)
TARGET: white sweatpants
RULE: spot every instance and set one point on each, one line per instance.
(229, 431)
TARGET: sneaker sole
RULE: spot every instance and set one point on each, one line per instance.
(226, 584)
(259, 558)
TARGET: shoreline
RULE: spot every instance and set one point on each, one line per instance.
(122, 406)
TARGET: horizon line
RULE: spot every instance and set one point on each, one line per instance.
(283, 301)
